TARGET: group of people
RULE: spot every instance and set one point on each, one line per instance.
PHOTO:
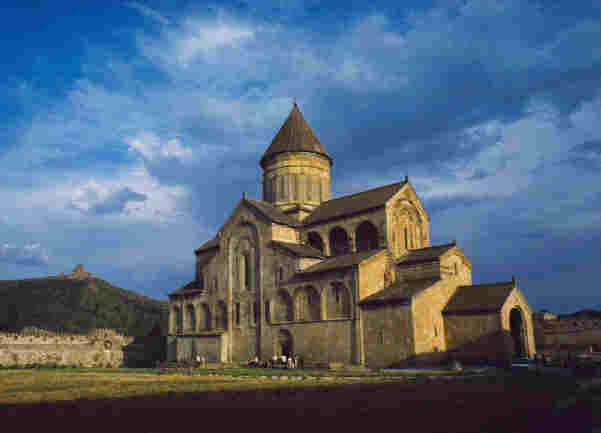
(293, 361)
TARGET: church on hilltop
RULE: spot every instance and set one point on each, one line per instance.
(351, 280)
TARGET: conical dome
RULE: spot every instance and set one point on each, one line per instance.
(295, 135)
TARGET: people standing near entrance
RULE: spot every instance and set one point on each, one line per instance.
(290, 362)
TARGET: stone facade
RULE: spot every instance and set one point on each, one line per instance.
(350, 280)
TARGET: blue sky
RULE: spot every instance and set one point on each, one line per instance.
(129, 132)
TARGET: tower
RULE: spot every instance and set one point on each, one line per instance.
(296, 168)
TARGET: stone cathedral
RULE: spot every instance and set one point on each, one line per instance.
(351, 280)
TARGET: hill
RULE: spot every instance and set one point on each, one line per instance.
(587, 314)
(78, 305)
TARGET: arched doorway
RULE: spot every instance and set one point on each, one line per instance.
(518, 335)
(283, 343)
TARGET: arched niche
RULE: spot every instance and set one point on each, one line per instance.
(339, 301)
(366, 235)
(314, 240)
(307, 304)
(339, 241)
(283, 310)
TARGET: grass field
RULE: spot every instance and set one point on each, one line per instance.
(97, 400)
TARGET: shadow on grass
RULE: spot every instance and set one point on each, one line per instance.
(500, 405)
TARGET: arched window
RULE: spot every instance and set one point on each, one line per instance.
(178, 324)
(309, 187)
(191, 316)
(221, 315)
(308, 304)
(456, 269)
(267, 311)
(280, 273)
(314, 240)
(215, 287)
(406, 239)
(295, 187)
(339, 241)
(281, 189)
(206, 310)
(283, 309)
(247, 276)
(367, 236)
(339, 302)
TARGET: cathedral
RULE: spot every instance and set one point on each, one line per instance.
(343, 281)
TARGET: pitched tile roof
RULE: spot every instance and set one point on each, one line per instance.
(295, 135)
(479, 298)
(399, 291)
(272, 213)
(206, 257)
(342, 261)
(423, 255)
(299, 250)
(191, 287)
(354, 203)
(213, 243)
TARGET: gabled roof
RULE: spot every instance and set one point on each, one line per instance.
(479, 298)
(299, 250)
(399, 291)
(272, 213)
(295, 135)
(213, 243)
(342, 261)
(354, 203)
(190, 288)
(424, 255)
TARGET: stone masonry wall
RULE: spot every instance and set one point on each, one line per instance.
(388, 334)
(475, 337)
(100, 348)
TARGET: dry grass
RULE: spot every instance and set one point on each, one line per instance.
(105, 400)
(30, 386)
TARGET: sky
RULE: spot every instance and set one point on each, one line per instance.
(129, 132)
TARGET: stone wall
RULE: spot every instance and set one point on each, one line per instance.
(372, 274)
(567, 332)
(317, 342)
(388, 334)
(428, 321)
(476, 337)
(99, 348)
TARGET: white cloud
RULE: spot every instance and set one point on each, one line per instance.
(148, 12)
(29, 254)
(151, 147)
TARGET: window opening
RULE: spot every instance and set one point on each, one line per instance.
(237, 314)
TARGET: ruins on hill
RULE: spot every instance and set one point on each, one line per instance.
(78, 273)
